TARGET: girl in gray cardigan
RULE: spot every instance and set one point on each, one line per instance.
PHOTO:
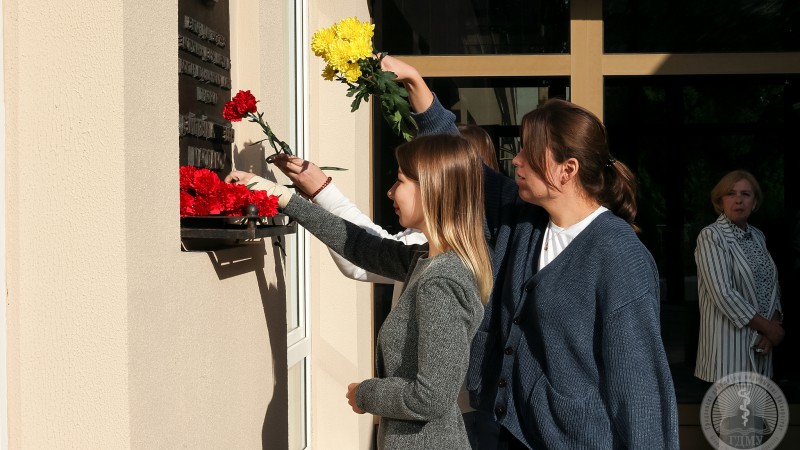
(423, 345)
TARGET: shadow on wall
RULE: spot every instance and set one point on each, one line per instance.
(243, 260)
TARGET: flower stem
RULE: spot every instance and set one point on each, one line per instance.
(284, 147)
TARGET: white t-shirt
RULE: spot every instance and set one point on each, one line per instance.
(556, 239)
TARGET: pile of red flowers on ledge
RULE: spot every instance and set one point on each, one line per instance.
(204, 194)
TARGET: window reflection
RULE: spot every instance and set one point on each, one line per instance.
(458, 27)
(664, 26)
(680, 135)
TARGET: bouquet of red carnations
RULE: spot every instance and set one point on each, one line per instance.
(204, 194)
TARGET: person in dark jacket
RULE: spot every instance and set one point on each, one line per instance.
(569, 353)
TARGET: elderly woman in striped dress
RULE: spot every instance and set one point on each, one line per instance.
(740, 309)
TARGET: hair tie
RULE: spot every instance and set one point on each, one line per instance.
(610, 162)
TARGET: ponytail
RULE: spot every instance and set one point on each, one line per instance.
(618, 193)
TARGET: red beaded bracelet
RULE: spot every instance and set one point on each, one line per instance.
(324, 185)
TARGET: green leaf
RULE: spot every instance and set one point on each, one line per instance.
(331, 168)
(355, 104)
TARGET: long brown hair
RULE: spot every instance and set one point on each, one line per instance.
(481, 142)
(570, 131)
(450, 178)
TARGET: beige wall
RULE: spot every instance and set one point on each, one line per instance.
(341, 309)
(67, 252)
(117, 338)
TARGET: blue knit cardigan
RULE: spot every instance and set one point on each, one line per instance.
(570, 356)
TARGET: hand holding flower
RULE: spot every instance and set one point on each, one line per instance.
(419, 95)
(305, 175)
(243, 105)
(347, 50)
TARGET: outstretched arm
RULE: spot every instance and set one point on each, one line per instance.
(386, 257)
(307, 177)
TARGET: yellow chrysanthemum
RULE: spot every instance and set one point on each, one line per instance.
(349, 29)
(360, 49)
(322, 40)
(352, 73)
(339, 55)
(328, 73)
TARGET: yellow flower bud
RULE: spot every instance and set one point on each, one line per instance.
(328, 73)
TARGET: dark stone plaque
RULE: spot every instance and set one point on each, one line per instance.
(204, 83)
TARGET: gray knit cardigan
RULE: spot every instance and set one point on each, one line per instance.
(423, 345)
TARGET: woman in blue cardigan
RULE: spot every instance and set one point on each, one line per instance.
(569, 353)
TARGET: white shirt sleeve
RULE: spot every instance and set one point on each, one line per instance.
(332, 200)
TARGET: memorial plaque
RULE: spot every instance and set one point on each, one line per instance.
(204, 84)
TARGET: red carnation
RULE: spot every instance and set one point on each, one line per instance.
(267, 204)
(205, 182)
(230, 112)
(187, 204)
(240, 106)
(187, 176)
(246, 101)
(243, 106)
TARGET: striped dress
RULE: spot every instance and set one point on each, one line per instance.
(736, 279)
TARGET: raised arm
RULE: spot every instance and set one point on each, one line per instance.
(431, 116)
(419, 96)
